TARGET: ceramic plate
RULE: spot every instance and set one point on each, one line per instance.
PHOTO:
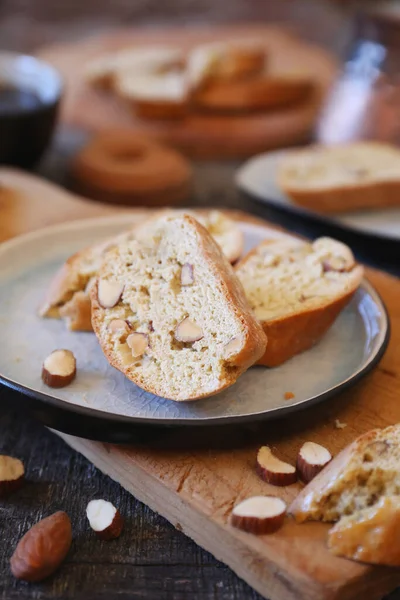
(257, 178)
(102, 403)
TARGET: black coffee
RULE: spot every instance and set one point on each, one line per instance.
(14, 99)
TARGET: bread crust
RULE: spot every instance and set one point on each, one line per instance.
(78, 312)
(346, 199)
(262, 93)
(341, 198)
(154, 110)
(373, 537)
(62, 286)
(254, 340)
(295, 333)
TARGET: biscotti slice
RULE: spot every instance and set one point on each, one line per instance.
(343, 177)
(224, 61)
(296, 290)
(355, 480)
(153, 95)
(102, 70)
(68, 294)
(171, 315)
(370, 535)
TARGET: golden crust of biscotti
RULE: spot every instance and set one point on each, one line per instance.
(292, 333)
(65, 283)
(362, 190)
(371, 535)
(264, 93)
(229, 292)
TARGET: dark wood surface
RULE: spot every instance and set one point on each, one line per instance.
(151, 560)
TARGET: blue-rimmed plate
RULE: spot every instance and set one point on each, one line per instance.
(101, 403)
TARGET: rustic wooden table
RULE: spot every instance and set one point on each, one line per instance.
(151, 560)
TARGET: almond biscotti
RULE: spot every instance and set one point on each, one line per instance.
(68, 295)
(296, 290)
(343, 177)
(360, 489)
(171, 315)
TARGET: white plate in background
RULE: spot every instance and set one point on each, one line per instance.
(257, 178)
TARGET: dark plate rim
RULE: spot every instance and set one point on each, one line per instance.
(72, 418)
(104, 418)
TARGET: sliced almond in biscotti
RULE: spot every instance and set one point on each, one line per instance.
(183, 352)
(342, 177)
(297, 289)
(68, 295)
(356, 478)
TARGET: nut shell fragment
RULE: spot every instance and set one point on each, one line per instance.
(59, 368)
(259, 515)
(312, 458)
(12, 473)
(273, 470)
(105, 520)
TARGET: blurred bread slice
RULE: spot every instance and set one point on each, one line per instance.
(296, 290)
(330, 179)
(153, 95)
(102, 71)
(266, 92)
(229, 61)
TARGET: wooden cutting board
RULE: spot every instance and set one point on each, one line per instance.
(198, 135)
(195, 478)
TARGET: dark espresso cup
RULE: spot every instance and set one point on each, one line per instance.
(30, 92)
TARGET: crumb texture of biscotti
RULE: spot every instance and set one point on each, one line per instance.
(369, 535)
(176, 320)
(342, 177)
(68, 296)
(74, 277)
(355, 480)
(296, 290)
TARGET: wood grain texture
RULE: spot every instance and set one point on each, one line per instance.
(194, 478)
(199, 135)
(28, 202)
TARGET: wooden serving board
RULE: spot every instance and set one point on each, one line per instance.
(204, 136)
(194, 478)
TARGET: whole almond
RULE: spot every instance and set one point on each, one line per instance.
(43, 548)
